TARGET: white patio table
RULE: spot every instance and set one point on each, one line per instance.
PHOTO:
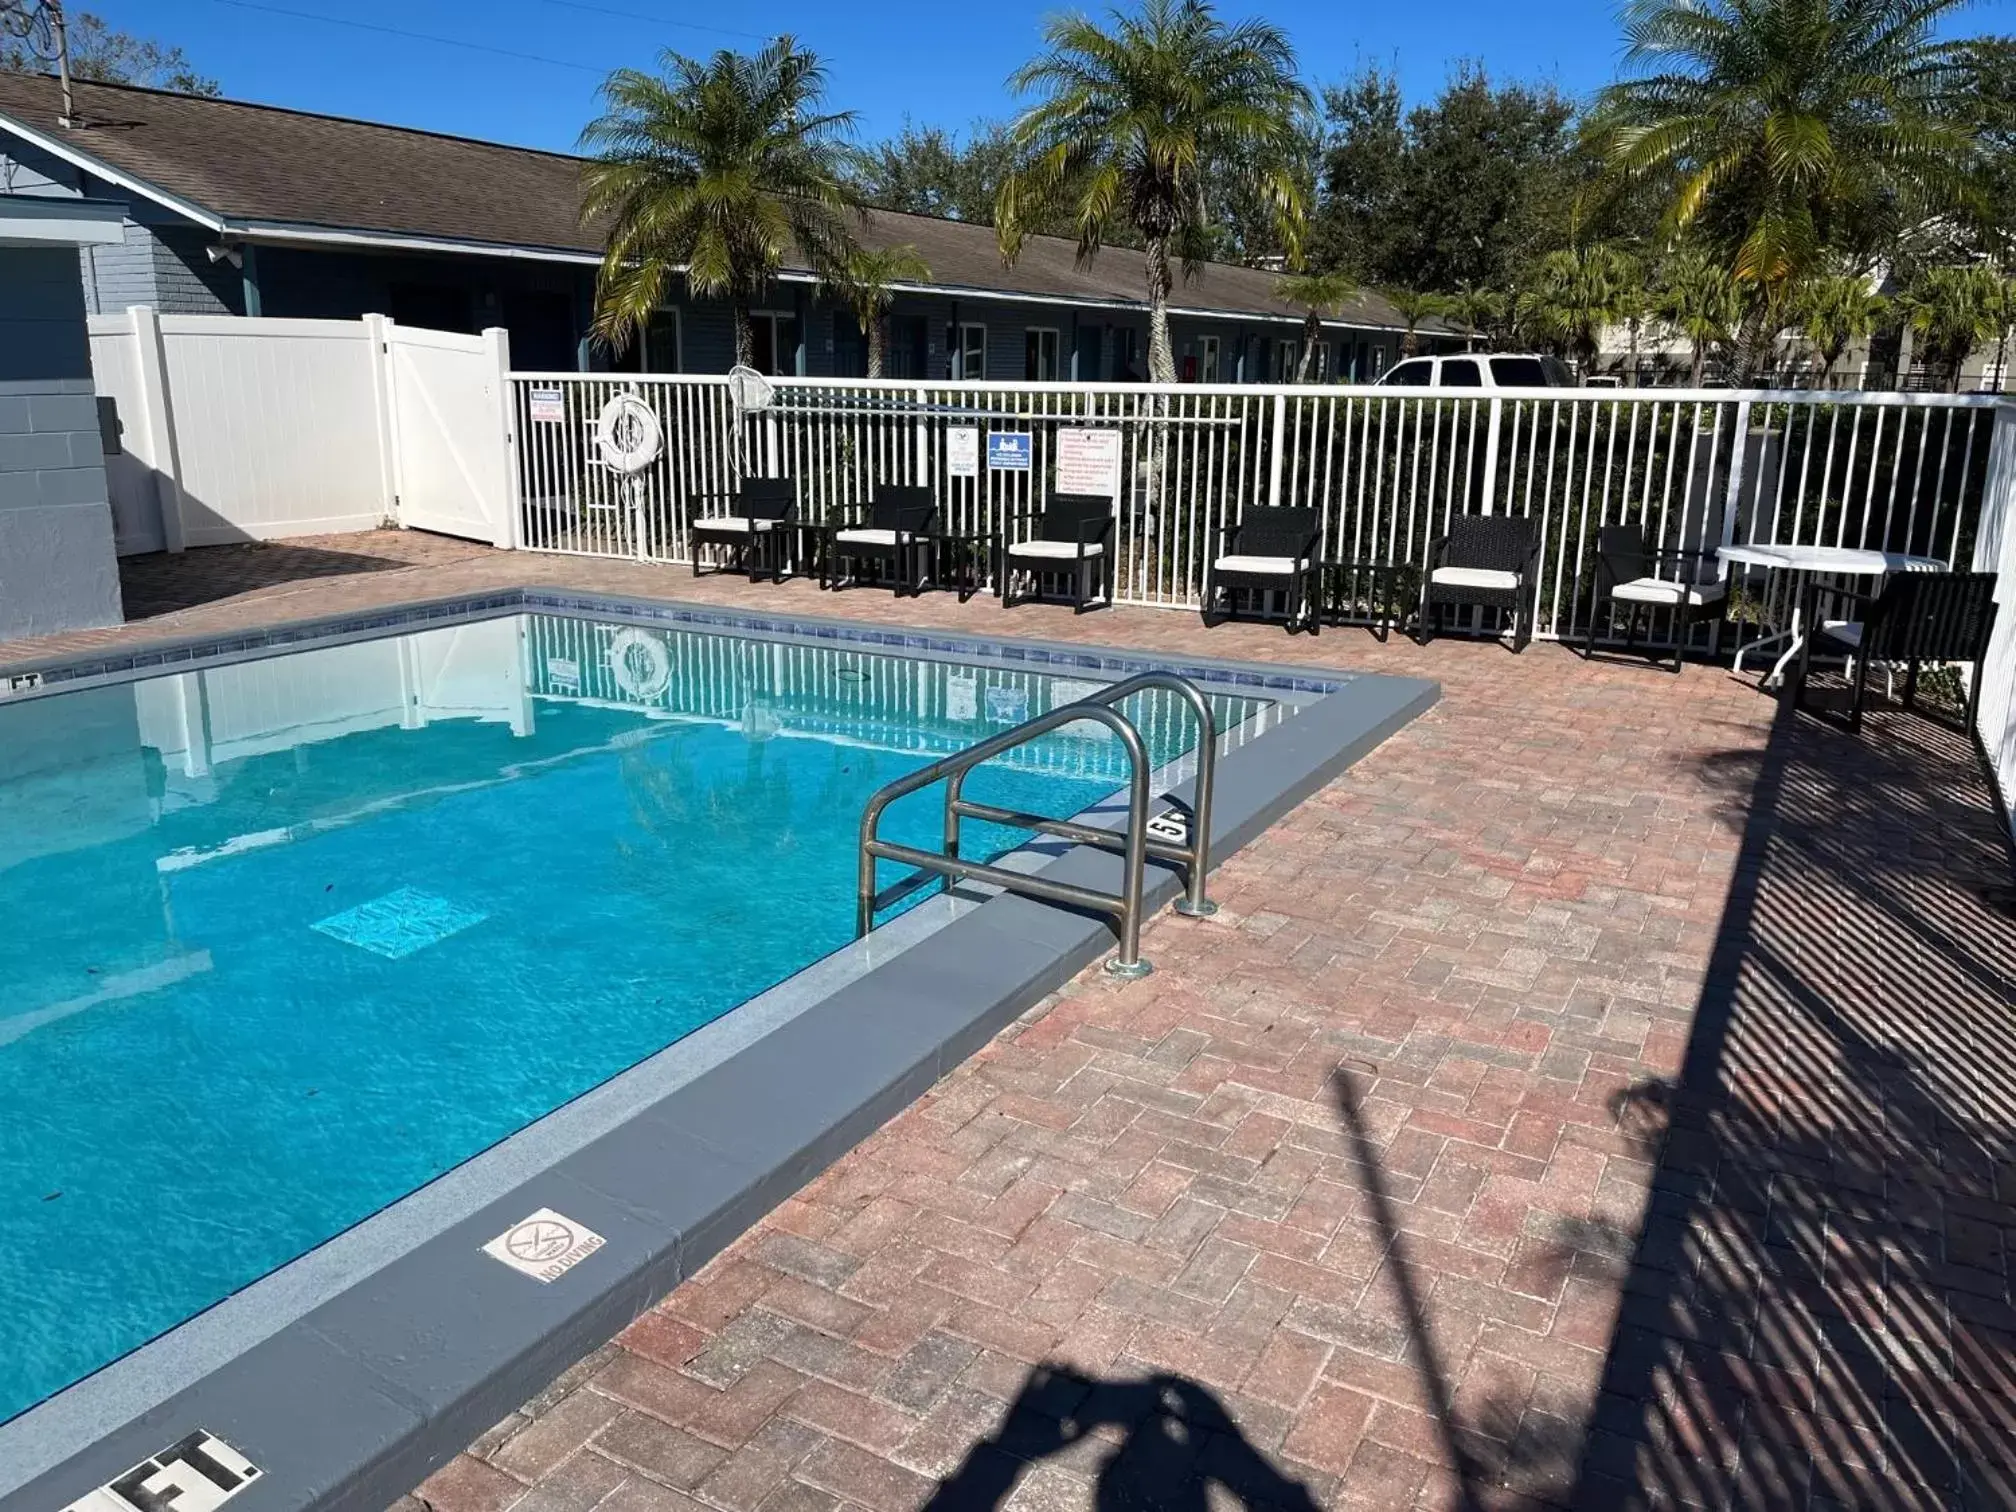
(1807, 564)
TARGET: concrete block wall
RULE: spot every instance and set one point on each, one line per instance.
(58, 568)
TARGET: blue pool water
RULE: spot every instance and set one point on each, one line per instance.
(286, 940)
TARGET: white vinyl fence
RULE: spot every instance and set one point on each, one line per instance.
(235, 430)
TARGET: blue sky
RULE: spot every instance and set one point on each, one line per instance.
(933, 61)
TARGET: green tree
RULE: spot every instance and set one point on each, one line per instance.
(1952, 310)
(1361, 214)
(1578, 293)
(1835, 311)
(1414, 306)
(1697, 298)
(866, 283)
(1785, 130)
(1319, 294)
(108, 56)
(1133, 123)
(717, 168)
(1467, 189)
(1482, 312)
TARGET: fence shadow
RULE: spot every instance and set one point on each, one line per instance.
(1160, 1441)
(1817, 1306)
(162, 583)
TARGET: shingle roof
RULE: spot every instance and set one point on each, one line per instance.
(263, 166)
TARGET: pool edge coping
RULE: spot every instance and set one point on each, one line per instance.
(414, 1389)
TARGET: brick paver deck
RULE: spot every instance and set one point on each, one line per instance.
(1603, 1095)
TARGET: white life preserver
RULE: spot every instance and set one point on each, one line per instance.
(640, 664)
(628, 435)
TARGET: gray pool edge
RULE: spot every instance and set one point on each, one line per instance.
(359, 1400)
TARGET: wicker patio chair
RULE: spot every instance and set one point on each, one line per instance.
(1072, 539)
(1486, 560)
(1917, 617)
(1628, 573)
(1270, 550)
(756, 531)
(892, 530)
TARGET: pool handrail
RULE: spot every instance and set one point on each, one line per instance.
(1134, 843)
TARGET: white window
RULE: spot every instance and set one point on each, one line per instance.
(1039, 360)
(969, 351)
(776, 343)
(1287, 358)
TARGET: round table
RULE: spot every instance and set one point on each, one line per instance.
(1806, 564)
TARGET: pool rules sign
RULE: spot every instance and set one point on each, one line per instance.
(1088, 462)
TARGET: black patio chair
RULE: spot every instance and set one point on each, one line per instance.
(893, 530)
(1917, 617)
(755, 531)
(1628, 572)
(1272, 549)
(1485, 560)
(1073, 539)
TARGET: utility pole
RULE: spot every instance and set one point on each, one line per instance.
(41, 24)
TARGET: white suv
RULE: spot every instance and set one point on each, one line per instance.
(1485, 370)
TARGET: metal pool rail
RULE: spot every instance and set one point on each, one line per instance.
(1135, 843)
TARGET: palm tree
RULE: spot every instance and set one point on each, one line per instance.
(1578, 293)
(1136, 119)
(1697, 298)
(1953, 310)
(1414, 306)
(716, 169)
(1319, 294)
(866, 282)
(1481, 311)
(1835, 311)
(1786, 128)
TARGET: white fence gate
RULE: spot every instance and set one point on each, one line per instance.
(234, 430)
(449, 446)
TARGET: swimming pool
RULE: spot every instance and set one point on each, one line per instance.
(288, 939)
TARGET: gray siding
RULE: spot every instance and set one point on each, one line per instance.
(117, 278)
(186, 281)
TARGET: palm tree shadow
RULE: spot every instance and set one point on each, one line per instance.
(1161, 1441)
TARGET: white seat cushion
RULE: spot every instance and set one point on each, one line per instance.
(1652, 590)
(1285, 566)
(867, 537)
(736, 522)
(1067, 550)
(1848, 632)
(1474, 577)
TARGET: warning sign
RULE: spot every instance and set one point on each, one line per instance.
(545, 1246)
(198, 1474)
(1088, 462)
(962, 451)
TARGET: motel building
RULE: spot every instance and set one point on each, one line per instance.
(240, 209)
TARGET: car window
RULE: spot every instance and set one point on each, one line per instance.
(1519, 372)
(1411, 374)
(1461, 372)
(1558, 374)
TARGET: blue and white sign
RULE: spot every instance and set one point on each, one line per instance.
(1009, 451)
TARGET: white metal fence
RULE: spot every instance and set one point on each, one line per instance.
(1386, 468)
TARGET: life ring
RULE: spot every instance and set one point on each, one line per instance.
(628, 435)
(640, 664)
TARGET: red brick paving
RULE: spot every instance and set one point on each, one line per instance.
(1601, 1095)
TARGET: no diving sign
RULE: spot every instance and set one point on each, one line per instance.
(545, 1246)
